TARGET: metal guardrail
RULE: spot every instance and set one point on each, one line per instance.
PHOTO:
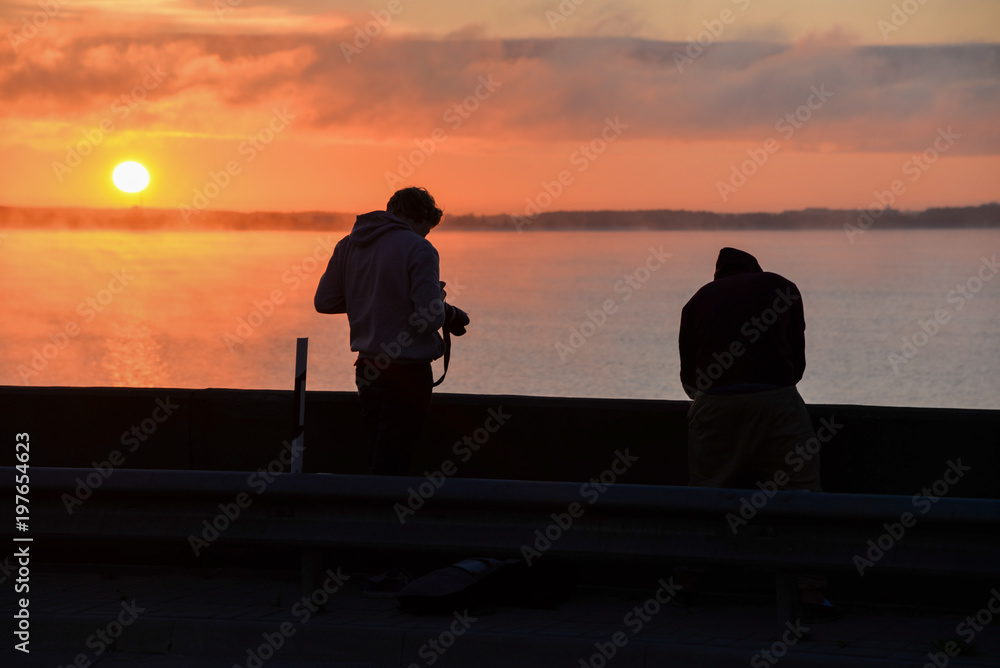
(791, 531)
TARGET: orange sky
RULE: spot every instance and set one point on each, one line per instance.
(501, 106)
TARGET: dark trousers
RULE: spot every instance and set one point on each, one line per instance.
(394, 405)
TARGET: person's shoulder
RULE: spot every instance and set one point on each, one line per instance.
(702, 293)
(422, 244)
(777, 279)
(415, 248)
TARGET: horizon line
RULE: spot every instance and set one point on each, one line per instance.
(488, 215)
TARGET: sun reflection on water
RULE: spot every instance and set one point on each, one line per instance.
(132, 356)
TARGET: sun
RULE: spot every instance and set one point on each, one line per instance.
(130, 177)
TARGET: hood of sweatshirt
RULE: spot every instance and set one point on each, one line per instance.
(734, 261)
(370, 226)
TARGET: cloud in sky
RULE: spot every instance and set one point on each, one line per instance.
(883, 98)
(227, 70)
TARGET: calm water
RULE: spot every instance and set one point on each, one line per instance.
(172, 316)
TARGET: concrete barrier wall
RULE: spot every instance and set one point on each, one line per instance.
(874, 450)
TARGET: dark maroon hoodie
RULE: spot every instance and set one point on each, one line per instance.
(742, 332)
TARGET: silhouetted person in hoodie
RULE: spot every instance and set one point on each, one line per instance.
(384, 275)
(742, 348)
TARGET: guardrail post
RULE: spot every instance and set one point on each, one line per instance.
(299, 400)
(311, 560)
(787, 594)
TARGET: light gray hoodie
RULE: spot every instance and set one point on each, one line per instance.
(384, 276)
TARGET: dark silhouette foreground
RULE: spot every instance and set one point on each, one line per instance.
(385, 276)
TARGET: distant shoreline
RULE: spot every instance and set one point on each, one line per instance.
(970, 217)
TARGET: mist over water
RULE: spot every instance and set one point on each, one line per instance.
(591, 314)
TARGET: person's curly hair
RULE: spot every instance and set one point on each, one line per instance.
(415, 204)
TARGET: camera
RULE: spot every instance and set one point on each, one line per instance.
(455, 320)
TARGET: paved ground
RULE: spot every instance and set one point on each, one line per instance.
(171, 617)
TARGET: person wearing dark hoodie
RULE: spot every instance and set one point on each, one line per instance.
(742, 350)
(385, 276)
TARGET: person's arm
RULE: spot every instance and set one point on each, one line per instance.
(797, 334)
(687, 347)
(330, 291)
(425, 289)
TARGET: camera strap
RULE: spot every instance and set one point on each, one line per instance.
(447, 357)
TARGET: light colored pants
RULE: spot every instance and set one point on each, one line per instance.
(730, 435)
